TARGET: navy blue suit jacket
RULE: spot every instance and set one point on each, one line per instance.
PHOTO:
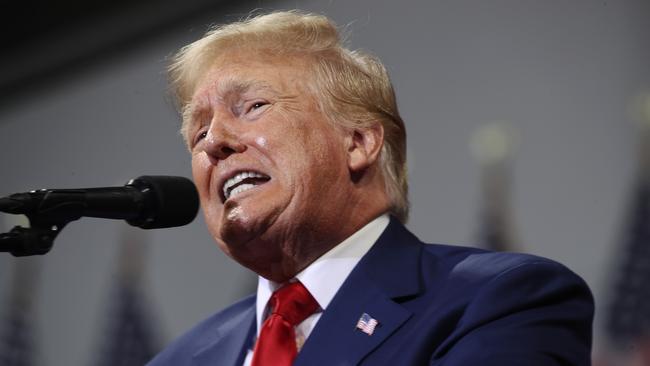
(436, 305)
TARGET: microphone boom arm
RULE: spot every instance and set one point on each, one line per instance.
(148, 202)
(51, 211)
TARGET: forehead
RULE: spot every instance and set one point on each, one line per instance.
(236, 74)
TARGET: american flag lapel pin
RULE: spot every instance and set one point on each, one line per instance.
(367, 324)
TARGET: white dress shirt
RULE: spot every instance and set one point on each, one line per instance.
(322, 278)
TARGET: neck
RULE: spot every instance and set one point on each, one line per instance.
(319, 236)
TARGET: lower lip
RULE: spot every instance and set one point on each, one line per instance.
(253, 187)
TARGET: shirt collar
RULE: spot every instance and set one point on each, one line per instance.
(325, 275)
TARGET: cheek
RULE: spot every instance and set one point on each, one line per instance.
(201, 167)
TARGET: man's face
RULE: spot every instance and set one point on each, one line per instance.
(270, 169)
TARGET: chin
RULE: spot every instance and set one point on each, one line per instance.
(236, 232)
(239, 228)
(251, 217)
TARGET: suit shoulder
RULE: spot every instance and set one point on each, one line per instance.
(478, 265)
(181, 350)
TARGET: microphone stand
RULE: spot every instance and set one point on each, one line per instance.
(39, 237)
(148, 202)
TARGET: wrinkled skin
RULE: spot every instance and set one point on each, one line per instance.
(253, 115)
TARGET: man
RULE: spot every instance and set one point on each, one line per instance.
(298, 154)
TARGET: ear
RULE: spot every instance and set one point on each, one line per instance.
(364, 147)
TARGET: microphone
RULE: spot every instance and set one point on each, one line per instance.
(148, 202)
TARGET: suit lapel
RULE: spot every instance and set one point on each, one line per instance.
(388, 272)
(230, 343)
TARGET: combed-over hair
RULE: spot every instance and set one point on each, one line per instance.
(353, 87)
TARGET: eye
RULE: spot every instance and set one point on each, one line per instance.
(199, 136)
(256, 106)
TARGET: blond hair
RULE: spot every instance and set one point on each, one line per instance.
(354, 88)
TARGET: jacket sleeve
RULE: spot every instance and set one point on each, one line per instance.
(536, 313)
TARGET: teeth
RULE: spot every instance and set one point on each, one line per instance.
(227, 193)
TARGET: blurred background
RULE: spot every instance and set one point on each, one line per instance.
(525, 125)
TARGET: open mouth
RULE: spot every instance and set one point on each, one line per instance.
(242, 182)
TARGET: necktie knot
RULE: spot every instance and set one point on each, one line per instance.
(293, 303)
(276, 345)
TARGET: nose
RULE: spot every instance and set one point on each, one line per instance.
(221, 142)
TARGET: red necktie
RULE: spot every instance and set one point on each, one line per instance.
(276, 345)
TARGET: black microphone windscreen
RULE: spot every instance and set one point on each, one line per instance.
(176, 201)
